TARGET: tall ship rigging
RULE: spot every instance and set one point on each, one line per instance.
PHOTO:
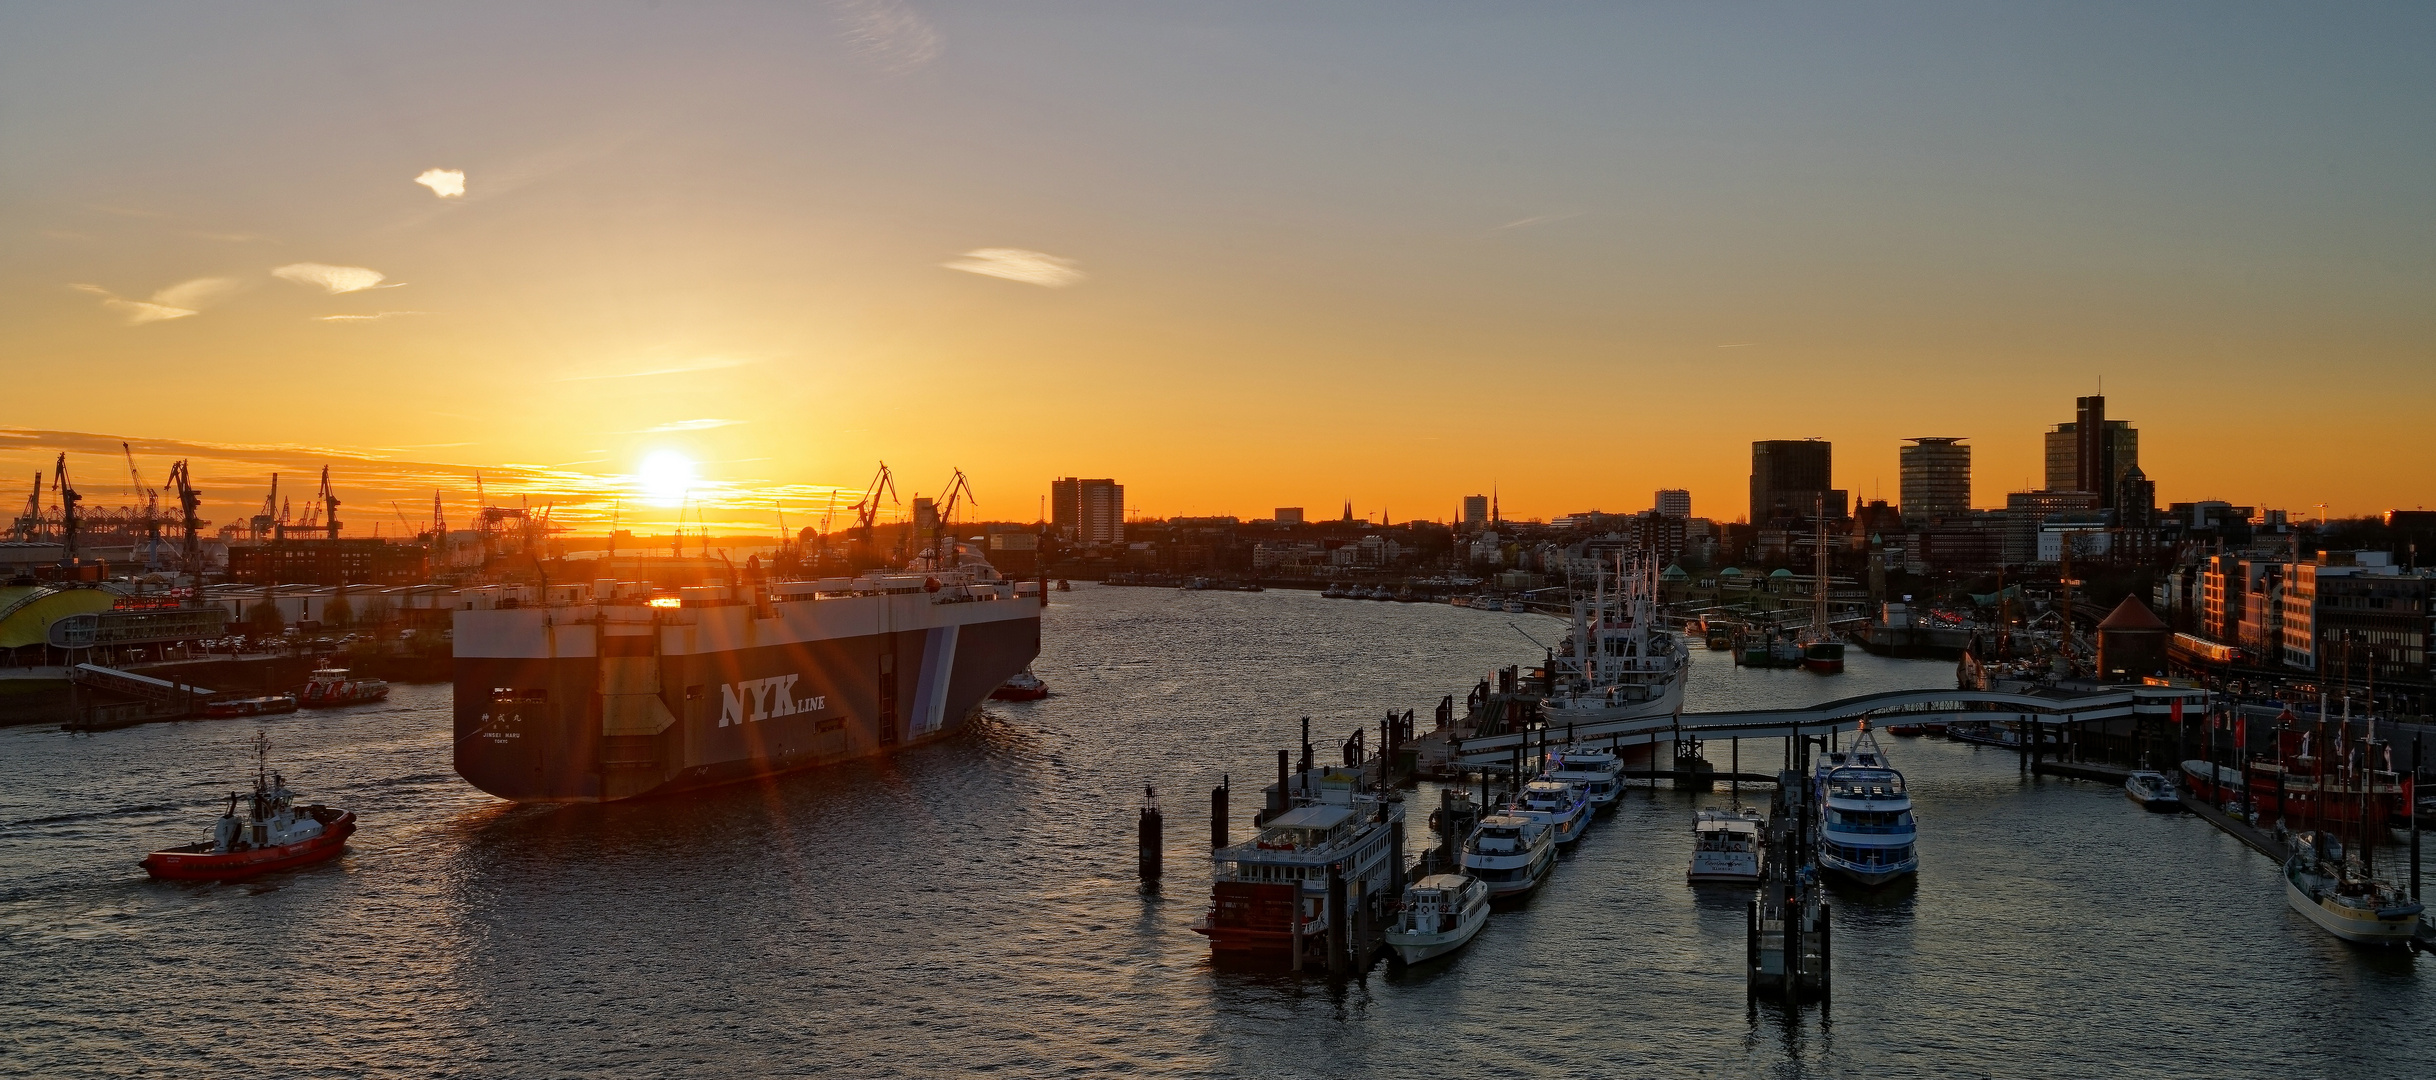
(1619, 662)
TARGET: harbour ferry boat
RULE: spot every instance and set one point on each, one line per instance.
(1725, 847)
(1619, 662)
(2154, 791)
(1021, 686)
(1441, 913)
(275, 834)
(1598, 772)
(1509, 854)
(1269, 895)
(1865, 815)
(1561, 806)
(332, 687)
(2343, 897)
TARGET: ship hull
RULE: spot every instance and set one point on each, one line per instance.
(725, 695)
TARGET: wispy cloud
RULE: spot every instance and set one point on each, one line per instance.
(1016, 264)
(1739, 345)
(445, 183)
(331, 279)
(889, 32)
(175, 302)
(704, 424)
(374, 317)
(1539, 219)
(708, 363)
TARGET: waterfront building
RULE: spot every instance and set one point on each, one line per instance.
(1936, 480)
(2351, 613)
(1676, 502)
(1088, 512)
(1790, 478)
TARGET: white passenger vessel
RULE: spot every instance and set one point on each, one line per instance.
(1865, 824)
(1563, 807)
(1509, 854)
(1441, 913)
(1725, 847)
(1620, 662)
(1268, 895)
(1599, 773)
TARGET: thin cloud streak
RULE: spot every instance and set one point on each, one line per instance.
(374, 317)
(175, 302)
(332, 279)
(714, 364)
(704, 424)
(1017, 264)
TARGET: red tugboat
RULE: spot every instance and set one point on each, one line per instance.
(276, 834)
(330, 687)
(1024, 686)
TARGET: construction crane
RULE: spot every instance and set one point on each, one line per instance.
(329, 503)
(190, 527)
(68, 498)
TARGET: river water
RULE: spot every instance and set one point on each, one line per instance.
(969, 908)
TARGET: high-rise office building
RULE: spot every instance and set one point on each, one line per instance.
(1289, 515)
(2092, 452)
(1674, 502)
(1790, 478)
(1936, 479)
(1088, 511)
(1475, 512)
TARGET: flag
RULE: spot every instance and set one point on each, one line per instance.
(2241, 732)
(2177, 712)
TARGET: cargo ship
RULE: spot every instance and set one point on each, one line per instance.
(617, 690)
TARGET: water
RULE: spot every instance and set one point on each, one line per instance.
(969, 908)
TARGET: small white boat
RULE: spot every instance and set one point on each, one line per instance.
(1441, 913)
(1511, 855)
(1598, 771)
(1517, 606)
(1561, 806)
(2153, 791)
(1725, 847)
(2344, 900)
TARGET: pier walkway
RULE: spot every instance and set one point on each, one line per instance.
(2043, 707)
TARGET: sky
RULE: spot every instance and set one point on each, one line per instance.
(1235, 256)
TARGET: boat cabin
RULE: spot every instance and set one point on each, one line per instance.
(1499, 834)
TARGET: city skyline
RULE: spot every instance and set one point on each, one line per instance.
(759, 249)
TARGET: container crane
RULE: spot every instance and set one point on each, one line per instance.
(943, 537)
(867, 508)
(29, 524)
(266, 522)
(151, 510)
(329, 503)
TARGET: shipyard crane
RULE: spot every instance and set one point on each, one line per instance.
(329, 503)
(943, 532)
(29, 524)
(867, 508)
(68, 498)
(266, 523)
(151, 509)
(190, 527)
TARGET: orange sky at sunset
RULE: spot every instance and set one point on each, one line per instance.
(1235, 258)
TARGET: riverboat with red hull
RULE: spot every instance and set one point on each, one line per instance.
(2325, 775)
(621, 690)
(275, 834)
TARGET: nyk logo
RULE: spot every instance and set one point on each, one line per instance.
(759, 699)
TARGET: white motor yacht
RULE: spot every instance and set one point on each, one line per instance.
(1441, 913)
(2153, 791)
(1865, 815)
(1598, 771)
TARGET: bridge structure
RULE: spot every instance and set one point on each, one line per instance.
(2040, 707)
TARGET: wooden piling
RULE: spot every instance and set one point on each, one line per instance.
(1218, 823)
(1150, 836)
(1336, 919)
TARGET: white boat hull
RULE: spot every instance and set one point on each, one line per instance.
(1724, 868)
(2360, 927)
(1415, 948)
(1873, 875)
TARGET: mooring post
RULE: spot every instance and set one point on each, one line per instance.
(1296, 925)
(2414, 812)
(1734, 770)
(1218, 810)
(1336, 918)
(1151, 836)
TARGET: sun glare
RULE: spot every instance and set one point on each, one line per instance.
(665, 476)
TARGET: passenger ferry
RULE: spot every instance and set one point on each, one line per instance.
(1619, 662)
(1563, 807)
(1441, 913)
(1269, 895)
(1865, 815)
(1725, 847)
(1598, 772)
(1510, 854)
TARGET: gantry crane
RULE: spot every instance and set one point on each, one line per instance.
(190, 527)
(68, 498)
(329, 503)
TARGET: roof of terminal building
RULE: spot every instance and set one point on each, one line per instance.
(2131, 614)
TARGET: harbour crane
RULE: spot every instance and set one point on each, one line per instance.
(190, 526)
(329, 503)
(68, 498)
(151, 510)
(29, 524)
(266, 522)
(943, 535)
(867, 508)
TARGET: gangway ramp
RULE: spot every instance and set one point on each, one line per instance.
(145, 688)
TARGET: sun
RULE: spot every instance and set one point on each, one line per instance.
(665, 476)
